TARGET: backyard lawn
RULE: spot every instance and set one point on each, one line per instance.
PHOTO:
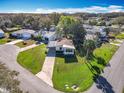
(33, 59)
(74, 74)
(25, 43)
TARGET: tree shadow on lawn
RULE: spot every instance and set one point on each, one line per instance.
(103, 84)
(101, 61)
(94, 69)
(97, 69)
(68, 58)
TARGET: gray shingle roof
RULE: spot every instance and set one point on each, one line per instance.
(63, 42)
(24, 31)
(48, 34)
(1, 31)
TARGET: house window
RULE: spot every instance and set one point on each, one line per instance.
(46, 39)
(60, 48)
(69, 50)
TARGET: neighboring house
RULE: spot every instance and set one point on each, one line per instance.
(48, 36)
(103, 36)
(52, 28)
(64, 46)
(1, 33)
(115, 26)
(90, 36)
(23, 34)
(92, 30)
(102, 32)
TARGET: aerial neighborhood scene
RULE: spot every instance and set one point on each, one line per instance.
(61, 46)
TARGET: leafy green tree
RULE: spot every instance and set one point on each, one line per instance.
(59, 32)
(101, 23)
(38, 37)
(68, 24)
(119, 21)
(79, 34)
(71, 28)
(107, 30)
(17, 19)
(46, 23)
(55, 18)
(92, 22)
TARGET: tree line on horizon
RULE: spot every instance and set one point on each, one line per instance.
(40, 21)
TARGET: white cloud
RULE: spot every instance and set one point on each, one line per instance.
(91, 9)
(115, 7)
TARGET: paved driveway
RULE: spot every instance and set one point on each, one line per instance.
(112, 80)
(29, 82)
(47, 70)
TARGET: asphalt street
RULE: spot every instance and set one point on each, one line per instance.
(29, 82)
(112, 79)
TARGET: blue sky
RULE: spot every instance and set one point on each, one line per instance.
(71, 6)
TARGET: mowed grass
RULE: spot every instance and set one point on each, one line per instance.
(120, 36)
(5, 40)
(33, 59)
(69, 71)
(27, 43)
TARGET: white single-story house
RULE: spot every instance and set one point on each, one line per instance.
(1, 33)
(64, 46)
(23, 34)
(48, 36)
(52, 28)
(90, 36)
(102, 32)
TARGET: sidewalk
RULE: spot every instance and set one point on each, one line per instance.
(121, 41)
(29, 47)
(15, 41)
(115, 44)
(47, 69)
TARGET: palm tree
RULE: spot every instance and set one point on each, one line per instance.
(89, 46)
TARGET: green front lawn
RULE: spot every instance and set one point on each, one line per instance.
(33, 59)
(69, 71)
(25, 43)
(5, 40)
(120, 36)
